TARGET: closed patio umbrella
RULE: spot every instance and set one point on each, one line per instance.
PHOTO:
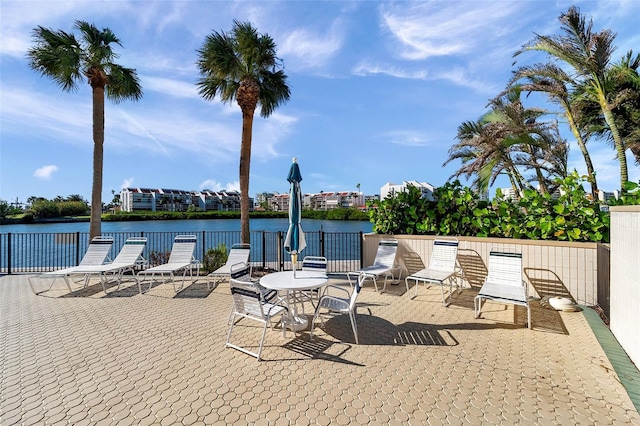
(295, 241)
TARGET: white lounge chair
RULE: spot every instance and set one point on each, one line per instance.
(384, 264)
(504, 283)
(339, 305)
(129, 257)
(249, 303)
(239, 253)
(97, 254)
(441, 268)
(181, 259)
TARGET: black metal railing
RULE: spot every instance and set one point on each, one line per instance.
(41, 252)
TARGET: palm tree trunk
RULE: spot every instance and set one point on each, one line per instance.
(245, 160)
(619, 143)
(98, 148)
(591, 176)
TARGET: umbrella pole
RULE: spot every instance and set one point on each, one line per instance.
(294, 261)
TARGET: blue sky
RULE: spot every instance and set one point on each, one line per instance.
(378, 90)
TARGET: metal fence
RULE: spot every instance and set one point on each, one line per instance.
(41, 252)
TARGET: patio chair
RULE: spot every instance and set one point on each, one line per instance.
(249, 302)
(127, 260)
(315, 264)
(181, 259)
(97, 254)
(339, 305)
(504, 283)
(239, 253)
(441, 268)
(384, 265)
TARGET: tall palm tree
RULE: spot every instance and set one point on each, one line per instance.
(551, 80)
(67, 60)
(589, 54)
(243, 65)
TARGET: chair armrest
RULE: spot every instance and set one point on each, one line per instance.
(327, 287)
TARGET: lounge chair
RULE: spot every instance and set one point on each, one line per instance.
(504, 283)
(442, 268)
(97, 254)
(383, 265)
(239, 253)
(180, 260)
(129, 257)
(249, 303)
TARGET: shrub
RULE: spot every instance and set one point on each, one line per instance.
(214, 258)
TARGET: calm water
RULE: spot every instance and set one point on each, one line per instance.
(54, 245)
(186, 226)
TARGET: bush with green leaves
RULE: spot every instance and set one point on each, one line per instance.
(214, 258)
(457, 211)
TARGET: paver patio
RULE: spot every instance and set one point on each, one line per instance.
(158, 358)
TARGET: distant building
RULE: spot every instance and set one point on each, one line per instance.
(392, 188)
(509, 193)
(606, 196)
(320, 201)
(146, 199)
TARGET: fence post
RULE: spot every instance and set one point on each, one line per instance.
(264, 249)
(204, 249)
(78, 247)
(322, 243)
(9, 253)
(279, 252)
(361, 250)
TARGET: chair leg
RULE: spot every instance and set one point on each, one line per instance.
(354, 327)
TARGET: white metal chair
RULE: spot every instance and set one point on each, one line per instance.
(97, 254)
(441, 268)
(181, 259)
(249, 303)
(129, 257)
(239, 253)
(504, 283)
(315, 264)
(384, 264)
(340, 305)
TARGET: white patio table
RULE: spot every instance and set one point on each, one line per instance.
(286, 281)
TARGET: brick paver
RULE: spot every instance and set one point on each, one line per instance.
(158, 358)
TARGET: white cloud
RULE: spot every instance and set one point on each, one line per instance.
(425, 30)
(214, 185)
(309, 50)
(175, 88)
(407, 138)
(127, 183)
(365, 68)
(46, 172)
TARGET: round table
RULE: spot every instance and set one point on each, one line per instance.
(286, 281)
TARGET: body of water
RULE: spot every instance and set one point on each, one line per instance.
(36, 247)
(192, 225)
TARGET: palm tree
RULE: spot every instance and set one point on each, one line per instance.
(589, 54)
(554, 82)
(67, 60)
(243, 65)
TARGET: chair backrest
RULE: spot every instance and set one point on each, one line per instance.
(239, 253)
(386, 254)
(356, 291)
(183, 248)
(315, 263)
(130, 251)
(246, 296)
(505, 268)
(443, 256)
(97, 252)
